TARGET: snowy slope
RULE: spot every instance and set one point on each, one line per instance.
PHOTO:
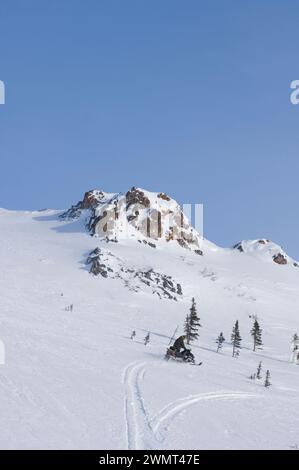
(265, 250)
(75, 379)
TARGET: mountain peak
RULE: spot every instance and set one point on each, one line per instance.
(137, 213)
(265, 249)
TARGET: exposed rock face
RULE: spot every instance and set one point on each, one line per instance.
(137, 197)
(137, 213)
(280, 259)
(239, 247)
(90, 200)
(164, 196)
(265, 249)
(106, 264)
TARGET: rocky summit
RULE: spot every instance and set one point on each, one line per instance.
(136, 214)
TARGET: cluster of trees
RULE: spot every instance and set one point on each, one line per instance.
(191, 331)
(258, 375)
(69, 308)
(236, 339)
(146, 339)
(192, 325)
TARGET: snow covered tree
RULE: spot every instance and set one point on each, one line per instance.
(259, 370)
(194, 323)
(294, 347)
(256, 334)
(236, 339)
(133, 334)
(219, 341)
(187, 328)
(295, 338)
(267, 380)
(147, 339)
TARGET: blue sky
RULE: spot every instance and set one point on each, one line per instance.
(188, 97)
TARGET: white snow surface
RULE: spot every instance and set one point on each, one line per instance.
(75, 380)
(264, 249)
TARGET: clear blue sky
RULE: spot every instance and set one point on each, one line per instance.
(190, 97)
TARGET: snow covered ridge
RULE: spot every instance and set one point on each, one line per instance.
(103, 262)
(265, 250)
(138, 213)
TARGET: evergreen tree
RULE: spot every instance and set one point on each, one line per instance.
(294, 347)
(236, 339)
(256, 333)
(295, 342)
(193, 322)
(295, 338)
(133, 334)
(187, 328)
(219, 341)
(267, 380)
(259, 370)
(147, 339)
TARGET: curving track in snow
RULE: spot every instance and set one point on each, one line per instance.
(164, 418)
(144, 432)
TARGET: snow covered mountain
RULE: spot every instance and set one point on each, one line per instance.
(138, 213)
(265, 250)
(73, 378)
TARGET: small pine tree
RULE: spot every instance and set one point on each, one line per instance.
(187, 328)
(267, 380)
(259, 370)
(147, 339)
(133, 334)
(295, 342)
(294, 347)
(194, 323)
(219, 341)
(256, 333)
(236, 340)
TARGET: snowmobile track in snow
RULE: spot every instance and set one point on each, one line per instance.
(144, 432)
(137, 421)
(163, 419)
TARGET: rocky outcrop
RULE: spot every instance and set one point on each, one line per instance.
(163, 196)
(90, 200)
(139, 214)
(266, 250)
(280, 259)
(137, 198)
(105, 264)
(238, 246)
